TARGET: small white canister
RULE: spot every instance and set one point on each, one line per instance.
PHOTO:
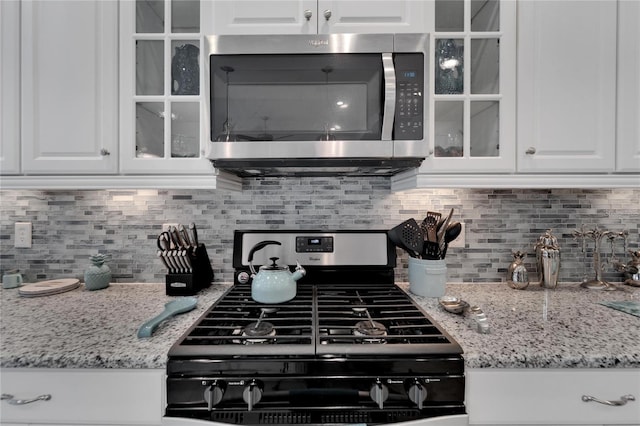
(427, 277)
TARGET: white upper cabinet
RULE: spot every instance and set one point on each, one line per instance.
(314, 16)
(161, 113)
(69, 87)
(567, 86)
(628, 125)
(472, 87)
(9, 87)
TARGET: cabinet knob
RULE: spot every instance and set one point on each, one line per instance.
(530, 151)
(327, 14)
(308, 14)
(622, 401)
(104, 152)
(11, 400)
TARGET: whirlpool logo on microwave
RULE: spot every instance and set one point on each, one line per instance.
(318, 43)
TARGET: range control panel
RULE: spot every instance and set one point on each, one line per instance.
(314, 244)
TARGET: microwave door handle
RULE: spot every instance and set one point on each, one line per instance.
(389, 108)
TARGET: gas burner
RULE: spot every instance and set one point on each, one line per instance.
(359, 308)
(258, 329)
(372, 331)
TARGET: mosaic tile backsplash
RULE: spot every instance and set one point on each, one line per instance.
(69, 226)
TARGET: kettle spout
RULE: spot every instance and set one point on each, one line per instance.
(299, 272)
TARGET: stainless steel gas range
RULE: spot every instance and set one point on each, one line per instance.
(350, 348)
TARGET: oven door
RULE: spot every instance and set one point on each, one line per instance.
(456, 420)
(300, 97)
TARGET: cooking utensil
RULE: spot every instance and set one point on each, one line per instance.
(178, 306)
(453, 304)
(273, 283)
(178, 259)
(453, 231)
(177, 238)
(164, 261)
(408, 236)
(445, 225)
(184, 235)
(193, 234)
(164, 241)
(49, 287)
(429, 226)
(173, 262)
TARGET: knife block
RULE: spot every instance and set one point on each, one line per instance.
(200, 277)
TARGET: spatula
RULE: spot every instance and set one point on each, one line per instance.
(178, 306)
(429, 226)
(408, 236)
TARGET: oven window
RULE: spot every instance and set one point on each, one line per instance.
(296, 97)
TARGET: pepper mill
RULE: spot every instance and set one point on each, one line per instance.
(548, 259)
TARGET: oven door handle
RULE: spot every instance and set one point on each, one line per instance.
(389, 107)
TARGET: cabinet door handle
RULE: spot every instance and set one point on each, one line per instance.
(327, 14)
(308, 14)
(622, 401)
(11, 400)
(530, 151)
(104, 152)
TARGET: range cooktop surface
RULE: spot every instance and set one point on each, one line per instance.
(358, 319)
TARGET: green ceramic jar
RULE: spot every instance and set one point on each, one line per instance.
(98, 275)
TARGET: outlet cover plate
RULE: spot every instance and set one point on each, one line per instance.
(23, 233)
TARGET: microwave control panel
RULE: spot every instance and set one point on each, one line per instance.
(409, 117)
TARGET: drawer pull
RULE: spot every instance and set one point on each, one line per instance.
(11, 400)
(622, 401)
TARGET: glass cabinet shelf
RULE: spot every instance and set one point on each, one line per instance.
(472, 83)
(163, 113)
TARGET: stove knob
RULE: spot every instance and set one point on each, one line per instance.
(252, 394)
(213, 394)
(243, 277)
(417, 392)
(379, 393)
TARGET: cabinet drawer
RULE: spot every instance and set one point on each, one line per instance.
(551, 396)
(112, 396)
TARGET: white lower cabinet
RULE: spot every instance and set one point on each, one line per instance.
(83, 396)
(552, 396)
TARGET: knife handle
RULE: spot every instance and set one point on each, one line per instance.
(194, 234)
(184, 236)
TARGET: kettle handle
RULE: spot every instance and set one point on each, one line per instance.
(257, 247)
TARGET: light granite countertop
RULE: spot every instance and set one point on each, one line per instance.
(561, 328)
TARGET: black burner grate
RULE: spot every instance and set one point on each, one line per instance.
(372, 319)
(228, 320)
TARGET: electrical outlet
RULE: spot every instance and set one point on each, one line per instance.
(166, 226)
(23, 235)
(460, 241)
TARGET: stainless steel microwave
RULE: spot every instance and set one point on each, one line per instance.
(327, 104)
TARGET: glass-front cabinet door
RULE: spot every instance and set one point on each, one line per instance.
(161, 87)
(472, 102)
